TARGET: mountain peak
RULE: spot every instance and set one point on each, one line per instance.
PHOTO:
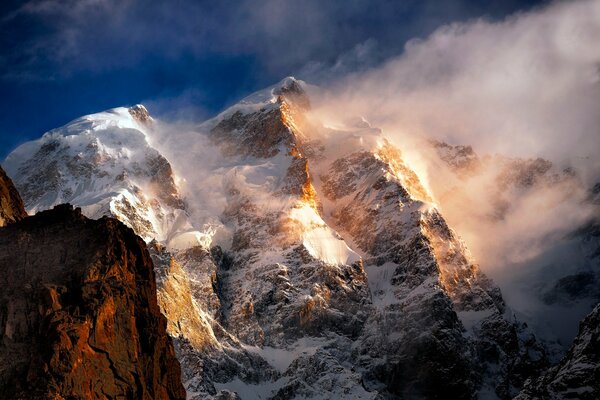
(140, 113)
(292, 90)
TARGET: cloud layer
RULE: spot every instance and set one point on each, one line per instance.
(527, 86)
(286, 36)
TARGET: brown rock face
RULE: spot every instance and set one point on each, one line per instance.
(79, 317)
(11, 205)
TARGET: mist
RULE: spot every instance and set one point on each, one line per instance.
(526, 87)
(518, 89)
(521, 88)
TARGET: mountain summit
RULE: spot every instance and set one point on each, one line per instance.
(293, 260)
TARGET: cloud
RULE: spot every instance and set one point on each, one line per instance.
(59, 38)
(527, 86)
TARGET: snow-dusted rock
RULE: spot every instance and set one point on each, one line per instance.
(577, 376)
(305, 261)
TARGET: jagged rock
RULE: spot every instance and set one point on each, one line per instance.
(78, 312)
(431, 278)
(339, 277)
(185, 317)
(11, 205)
(577, 376)
(461, 159)
(140, 113)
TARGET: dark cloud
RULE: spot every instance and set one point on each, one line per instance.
(50, 38)
(64, 58)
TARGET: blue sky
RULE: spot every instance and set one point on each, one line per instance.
(60, 59)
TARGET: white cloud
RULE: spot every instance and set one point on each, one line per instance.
(526, 86)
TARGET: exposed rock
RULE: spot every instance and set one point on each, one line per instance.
(461, 159)
(265, 132)
(140, 113)
(577, 376)
(78, 312)
(185, 317)
(11, 205)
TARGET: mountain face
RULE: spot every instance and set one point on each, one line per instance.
(556, 285)
(116, 173)
(78, 311)
(293, 260)
(11, 204)
(577, 376)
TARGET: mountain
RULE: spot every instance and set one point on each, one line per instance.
(577, 376)
(554, 278)
(103, 164)
(12, 208)
(78, 310)
(293, 260)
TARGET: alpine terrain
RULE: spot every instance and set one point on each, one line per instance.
(295, 259)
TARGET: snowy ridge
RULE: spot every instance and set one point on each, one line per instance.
(104, 164)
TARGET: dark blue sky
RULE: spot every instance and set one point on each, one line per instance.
(60, 59)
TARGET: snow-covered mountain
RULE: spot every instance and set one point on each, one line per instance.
(293, 260)
(577, 376)
(104, 164)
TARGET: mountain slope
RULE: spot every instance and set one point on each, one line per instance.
(577, 376)
(319, 267)
(545, 223)
(104, 164)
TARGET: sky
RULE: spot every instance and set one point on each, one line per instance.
(516, 78)
(60, 59)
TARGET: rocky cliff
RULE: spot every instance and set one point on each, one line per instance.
(78, 312)
(577, 376)
(11, 205)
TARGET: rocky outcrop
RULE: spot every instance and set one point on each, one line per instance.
(78, 312)
(577, 376)
(460, 159)
(140, 113)
(265, 131)
(185, 317)
(11, 205)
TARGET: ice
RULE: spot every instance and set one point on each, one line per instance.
(380, 283)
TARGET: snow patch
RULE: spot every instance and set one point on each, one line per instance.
(281, 359)
(322, 242)
(471, 319)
